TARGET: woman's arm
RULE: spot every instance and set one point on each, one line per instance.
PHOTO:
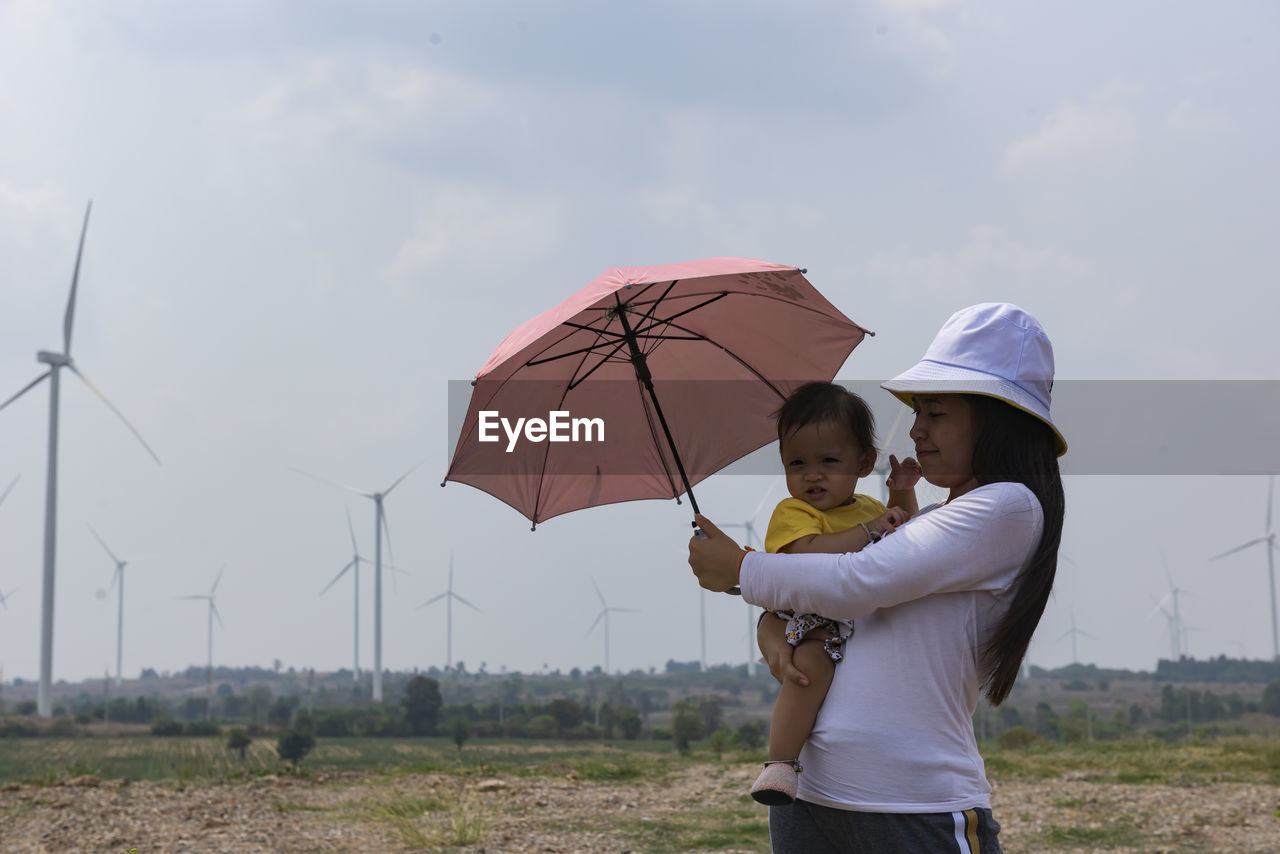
(977, 542)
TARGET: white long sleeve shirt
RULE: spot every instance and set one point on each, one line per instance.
(895, 733)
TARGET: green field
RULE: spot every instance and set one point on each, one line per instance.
(44, 761)
(1250, 759)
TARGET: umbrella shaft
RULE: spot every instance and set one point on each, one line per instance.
(642, 371)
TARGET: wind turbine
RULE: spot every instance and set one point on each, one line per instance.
(213, 612)
(752, 539)
(1270, 540)
(1175, 629)
(379, 525)
(354, 566)
(605, 610)
(449, 596)
(1073, 631)
(56, 362)
(1176, 626)
(116, 578)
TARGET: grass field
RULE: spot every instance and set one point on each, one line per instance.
(426, 795)
(1244, 759)
(44, 761)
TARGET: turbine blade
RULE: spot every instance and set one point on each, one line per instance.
(112, 407)
(331, 483)
(341, 573)
(216, 615)
(1159, 606)
(9, 488)
(400, 478)
(599, 617)
(69, 318)
(433, 599)
(214, 588)
(626, 610)
(355, 549)
(386, 529)
(599, 595)
(26, 388)
(1252, 542)
(100, 540)
(468, 604)
(763, 498)
(194, 596)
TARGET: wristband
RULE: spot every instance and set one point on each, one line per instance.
(745, 549)
(872, 536)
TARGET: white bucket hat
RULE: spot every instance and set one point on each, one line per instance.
(994, 349)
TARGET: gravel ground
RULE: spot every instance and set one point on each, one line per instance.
(563, 815)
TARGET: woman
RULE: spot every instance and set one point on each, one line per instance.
(944, 607)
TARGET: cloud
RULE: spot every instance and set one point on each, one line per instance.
(988, 264)
(1190, 119)
(1102, 131)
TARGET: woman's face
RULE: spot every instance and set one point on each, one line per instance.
(944, 435)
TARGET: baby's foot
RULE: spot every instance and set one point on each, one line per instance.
(776, 785)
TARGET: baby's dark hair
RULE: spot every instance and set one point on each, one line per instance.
(816, 402)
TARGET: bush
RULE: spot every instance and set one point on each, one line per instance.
(543, 726)
(63, 728)
(749, 736)
(202, 728)
(239, 741)
(166, 727)
(18, 729)
(294, 745)
(1018, 738)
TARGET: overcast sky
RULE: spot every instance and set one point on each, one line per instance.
(309, 217)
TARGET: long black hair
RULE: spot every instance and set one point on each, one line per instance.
(1013, 445)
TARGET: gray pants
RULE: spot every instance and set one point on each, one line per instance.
(805, 828)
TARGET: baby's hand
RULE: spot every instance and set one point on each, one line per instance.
(905, 474)
(887, 522)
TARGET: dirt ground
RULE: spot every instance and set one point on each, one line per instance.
(560, 816)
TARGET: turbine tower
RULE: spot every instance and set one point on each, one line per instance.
(379, 525)
(1073, 632)
(213, 612)
(116, 578)
(449, 596)
(354, 566)
(1269, 539)
(56, 362)
(605, 610)
(1177, 628)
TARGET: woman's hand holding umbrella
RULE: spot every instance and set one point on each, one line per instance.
(714, 556)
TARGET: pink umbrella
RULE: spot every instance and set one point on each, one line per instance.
(644, 383)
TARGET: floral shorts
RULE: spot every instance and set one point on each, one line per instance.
(800, 625)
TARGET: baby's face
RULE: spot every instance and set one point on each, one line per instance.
(822, 463)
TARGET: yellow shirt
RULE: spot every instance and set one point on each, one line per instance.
(793, 519)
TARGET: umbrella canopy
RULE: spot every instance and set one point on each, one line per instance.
(645, 382)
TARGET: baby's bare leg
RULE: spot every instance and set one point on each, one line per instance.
(796, 707)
